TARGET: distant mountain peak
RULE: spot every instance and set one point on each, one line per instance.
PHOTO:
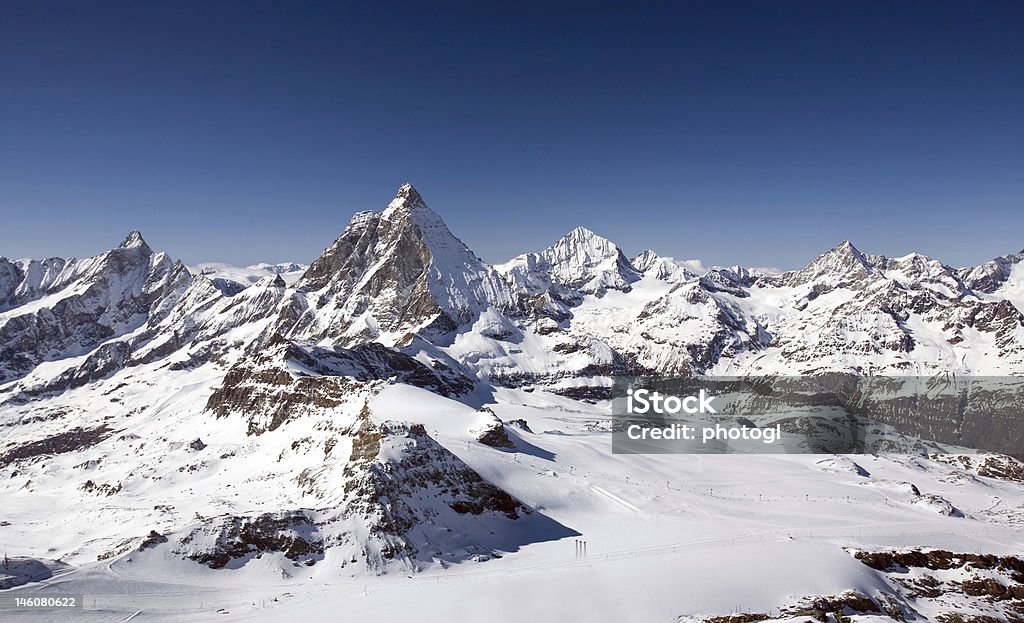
(582, 232)
(841, 266)
(134, 240)
(590, 262)
(664, 268)
(645, 260)
(843, 256)
(847, 247)
(583, 239)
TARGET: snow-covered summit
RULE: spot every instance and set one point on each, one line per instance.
(581, 261)
(408, 200)
(395, 272)
(134, 240)
(842, 264)
(991, 275)
(591, 263)
(64, 308)
(645, 260)
(649, 263)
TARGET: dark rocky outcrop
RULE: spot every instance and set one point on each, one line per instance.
(69, 441)
(226, 540)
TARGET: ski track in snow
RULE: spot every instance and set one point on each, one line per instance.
(616, 499)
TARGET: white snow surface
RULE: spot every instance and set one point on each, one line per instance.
(667, 536)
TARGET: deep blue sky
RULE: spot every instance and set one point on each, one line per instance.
(758, 134)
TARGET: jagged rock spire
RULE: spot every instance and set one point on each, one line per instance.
(407, 198)
(395, 272)
(134, 240)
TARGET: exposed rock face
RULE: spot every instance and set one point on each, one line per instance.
(267, 395)
(231, 541)
(991, 275)
(286, 380)
(373, 361)
(399, 479)
(493, 432)
(92, 301)
(401, 492)
(931, 584)
(153, 539)
(71, 440)
(391, 273)
(981, 583)
(733, 281)
(987, 465)
(23, 281)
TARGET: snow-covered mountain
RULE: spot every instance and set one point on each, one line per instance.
(649, 263)
(390, 274)
(581, 261)
(400, 404)
(59, 309)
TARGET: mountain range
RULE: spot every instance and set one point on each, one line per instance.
(318, 412)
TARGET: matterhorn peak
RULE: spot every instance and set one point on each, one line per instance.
(409, 206)
(399, 271)
(407, 198)
(134, 240)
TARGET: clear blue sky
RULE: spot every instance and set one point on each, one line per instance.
(753, 133)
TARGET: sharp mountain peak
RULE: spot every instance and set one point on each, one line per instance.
(407, 198)
(134, 240)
